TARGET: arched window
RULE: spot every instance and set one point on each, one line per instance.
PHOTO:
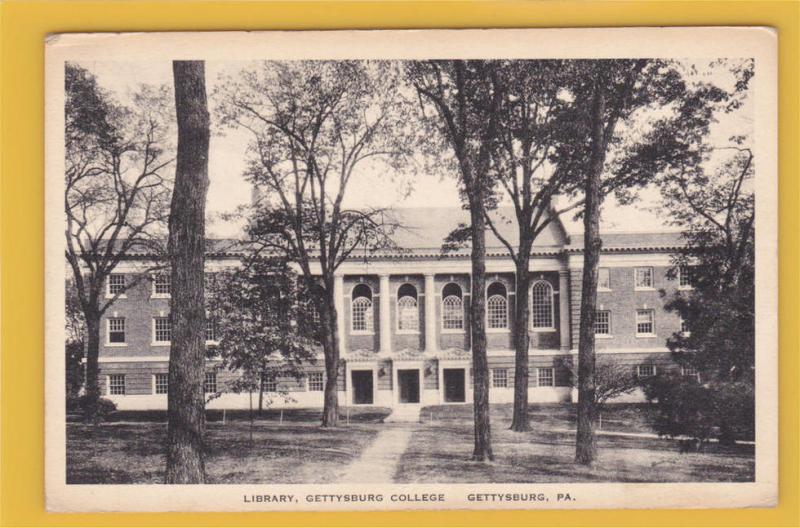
(407, 308)
(542, 305)
(362, 308)
(497, 306)
(452, 307)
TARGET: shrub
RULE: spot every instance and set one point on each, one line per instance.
(684, 407)
(93, 410)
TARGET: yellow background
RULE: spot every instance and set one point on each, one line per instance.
(24, 26)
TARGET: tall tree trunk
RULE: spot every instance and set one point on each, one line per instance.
(480, 365)
(330, 347)
(585, 445)
(92, 364)
(520, 421)
(186, 407)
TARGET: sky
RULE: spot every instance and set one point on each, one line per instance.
(228, 189)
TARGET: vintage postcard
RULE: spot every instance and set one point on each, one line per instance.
(393, 270)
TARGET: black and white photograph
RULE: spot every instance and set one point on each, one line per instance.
(354, 270)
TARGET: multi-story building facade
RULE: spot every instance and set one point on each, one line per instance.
(404, 320)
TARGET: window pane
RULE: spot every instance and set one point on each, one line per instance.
(500, 378)
(645, 371)
(602, 322)
(542, 305)
(685, 277)
(268, 382)
(116, 283)
(163, 329)
(316, 381)
(211, 330)
(162, 383)
(116, 384)
(603, 279)
(644, 277)
(362, 315)
(497, 306)
(210, 382)
(453, 313)
(644, 322)
(408, 314)
(116, 330)
(545, 377)
(161, 284)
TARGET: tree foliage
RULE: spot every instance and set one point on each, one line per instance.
(117, 190)
(266, 322)
(313, 126)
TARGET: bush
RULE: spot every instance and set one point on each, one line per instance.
(684, 407)
(94, 410)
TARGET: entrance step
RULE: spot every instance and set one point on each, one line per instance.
(404, 413)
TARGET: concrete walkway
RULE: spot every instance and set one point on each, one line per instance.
(378, 462)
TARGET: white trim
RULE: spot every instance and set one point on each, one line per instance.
(108, 342)
(658, 350)
(132, 359)
(553, 294)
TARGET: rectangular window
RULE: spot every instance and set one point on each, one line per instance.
(545, 377)
(268, 383)
(162, 330)
(500, 378)
(210, 382)
(602, 322)
(603, 279)
(684, 327)
(116, 330)
(685, 278)
(161, 383)
(690, 372)
(646, 371)
(162, 284)
(643, 278)
(116, 384)
(645, 322)
(316, 381)
(116, 283)
(211, 330)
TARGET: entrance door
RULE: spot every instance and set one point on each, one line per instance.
(454, 390)
(408, 380)
(362, 387)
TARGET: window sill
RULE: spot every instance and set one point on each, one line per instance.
(603, 336)
(498, 331)
(648, 289)
(361, 333)
(685, 288)
(646, 336)
(160, 344)
(212, 343)
(160, 296)
(116, 345)
(543, 330)
(407, 332)
(453, 331)
(111, 296)
(604, 290)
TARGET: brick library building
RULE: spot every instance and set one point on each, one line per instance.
(404, 320)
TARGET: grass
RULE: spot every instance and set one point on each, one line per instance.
(128, 449)
(440, 451)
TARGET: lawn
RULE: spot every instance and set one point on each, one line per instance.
(439, 451)
(128, 448)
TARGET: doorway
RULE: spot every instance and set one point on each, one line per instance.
(454, 385)
(362, 387)
(408, 381)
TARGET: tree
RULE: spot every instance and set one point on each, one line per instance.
(75, 340)
(314, 125)
(465, 98)
(707, 190)
(265, 324)
(609, 93)
(612, 380)
(186, 404)
(116, 194)
(531, 126)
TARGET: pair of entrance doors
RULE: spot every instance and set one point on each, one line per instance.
(408, 386)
